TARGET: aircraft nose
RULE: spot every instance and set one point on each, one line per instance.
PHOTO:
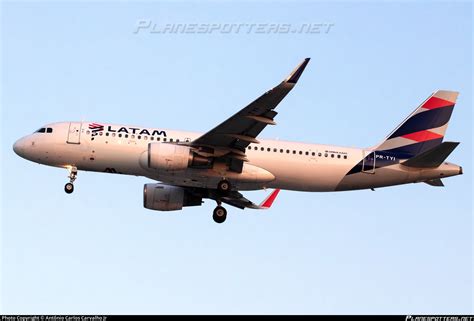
(19, 147)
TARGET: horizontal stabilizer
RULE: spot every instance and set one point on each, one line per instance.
(435, 182)
(433, 157)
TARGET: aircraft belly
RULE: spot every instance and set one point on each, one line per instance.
(304, 174)
(384, 176)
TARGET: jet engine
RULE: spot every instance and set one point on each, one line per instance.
(162, 197)
(172, 157)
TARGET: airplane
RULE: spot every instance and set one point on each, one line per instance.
(218, 164)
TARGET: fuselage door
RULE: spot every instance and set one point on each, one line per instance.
(368, 162)
(74, 133)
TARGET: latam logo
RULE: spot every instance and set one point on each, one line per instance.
(96, 128)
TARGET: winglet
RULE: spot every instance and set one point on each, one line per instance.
(296, 74)
(267, 203)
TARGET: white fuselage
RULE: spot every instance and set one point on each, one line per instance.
(271, 163)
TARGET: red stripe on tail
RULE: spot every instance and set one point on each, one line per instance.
(435, 102)
(422, 136)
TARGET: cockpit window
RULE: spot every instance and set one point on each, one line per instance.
(48, 130)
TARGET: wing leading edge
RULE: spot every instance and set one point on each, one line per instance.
(230, 138)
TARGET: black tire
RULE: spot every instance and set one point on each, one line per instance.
(69, 188)
(219, 215)
(224, 186)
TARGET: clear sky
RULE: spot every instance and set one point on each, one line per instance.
(405, 249)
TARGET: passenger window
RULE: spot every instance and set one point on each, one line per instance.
(106, 134)
(262, 149)
(120, 135)
(256, 148)
(294, 152)
(306, 153)
(88, 132)
(171, 140)
(332, 155)
(345, 156)
(338, 156)
(269, 149)
(157, 139)
(139, 137)
(49, 130)
(101, 133)
(313, 154)
(275, 150)
(177, 140)
(287, 151)
(301, 153)
(152, 138)
(325, 154)
(113, 134)
(132, 136)
(164, 139)
(145, 137)
(319, 154)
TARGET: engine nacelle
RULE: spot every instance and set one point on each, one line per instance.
(172, 157)
(162, 197)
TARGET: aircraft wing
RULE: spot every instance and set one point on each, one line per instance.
(238, 200)
(230, 138)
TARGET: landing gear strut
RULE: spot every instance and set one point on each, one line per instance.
(69, 187)
(219, 215)
(224, 186)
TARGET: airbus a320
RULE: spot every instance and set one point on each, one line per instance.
(228, 159)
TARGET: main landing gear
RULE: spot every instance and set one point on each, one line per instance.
(220, 214)
(69, 187)
(224, 187)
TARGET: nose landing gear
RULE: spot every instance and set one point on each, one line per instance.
(69, 187)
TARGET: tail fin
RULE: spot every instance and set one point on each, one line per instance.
(424, 128)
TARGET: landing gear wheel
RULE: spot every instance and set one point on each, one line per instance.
(219, 215)
(69, 188)
(224, 186)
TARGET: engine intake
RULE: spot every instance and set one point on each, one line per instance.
(162, 197)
